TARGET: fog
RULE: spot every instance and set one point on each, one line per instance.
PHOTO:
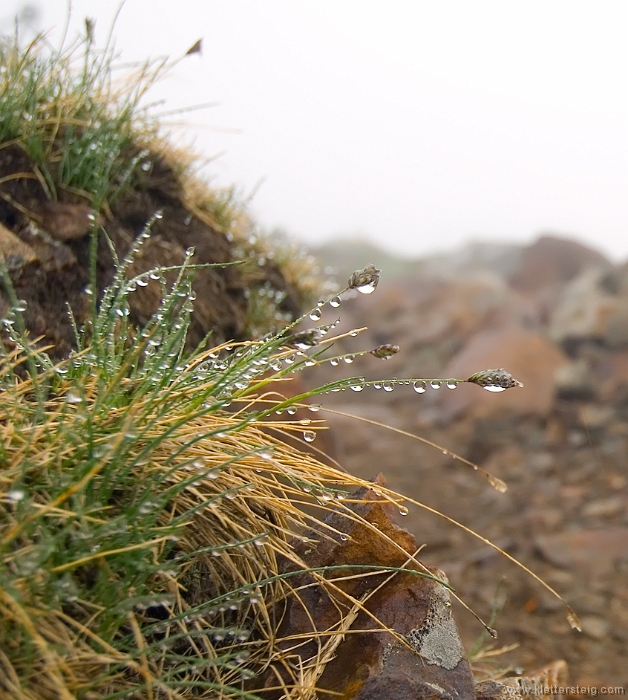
(417, 125)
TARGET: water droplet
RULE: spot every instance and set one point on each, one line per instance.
(320, 303)
(420, 387)
(377, 385)
(356, 387)
(291, 410)
(16, 494)
(451, 384)
(497, 483)
(435, 385)
(141, 283)
(334, 362)
(387, 386)
(309, 435)
(494, 388)
(348, 359)
(315, 407)
(315, 315)
(366, 288)
(573, 620)
(403, 510)
(335, 302)
(289, 360)
(73, 398)
(266, 454)
(275, 365)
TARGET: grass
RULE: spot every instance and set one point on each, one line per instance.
(144, 506)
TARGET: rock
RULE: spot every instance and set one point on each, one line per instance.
(64, 221)
(605, 507)
(586, 310)
(15, 253)
(592, 551)
(530, 684)
(594, 626)
(574, 381)
(403, 642)
(527, 355)
(552, 261)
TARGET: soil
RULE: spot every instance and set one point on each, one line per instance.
(45, 245)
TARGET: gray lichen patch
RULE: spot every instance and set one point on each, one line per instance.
(437, 640)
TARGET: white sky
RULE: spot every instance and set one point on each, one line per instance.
(416, 124)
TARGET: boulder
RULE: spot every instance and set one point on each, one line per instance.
(527, 355)
(552, 261)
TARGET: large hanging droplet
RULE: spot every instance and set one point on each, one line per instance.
(573, 620)
(315, 315)
(420, 387)
(497, 484)
(309, 435)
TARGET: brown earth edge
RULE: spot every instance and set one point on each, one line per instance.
(45, 246)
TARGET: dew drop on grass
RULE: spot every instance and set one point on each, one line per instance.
(334, 362)
(309, 363)
(420, 387)
(309, 435)
(573, 620)
(315, 315)
(377, 385)
(335, 302)
(367, 288)
(320, 303)
(356, 387)
(497, 484)
(291, 410)
(289, 360)
(494, 388)
(73, 398)
(435, 385)
(16, 495)
(387, 386)
(451, 385)
(348, 359)
(266, 454)
(315, 407)
(403, 510)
